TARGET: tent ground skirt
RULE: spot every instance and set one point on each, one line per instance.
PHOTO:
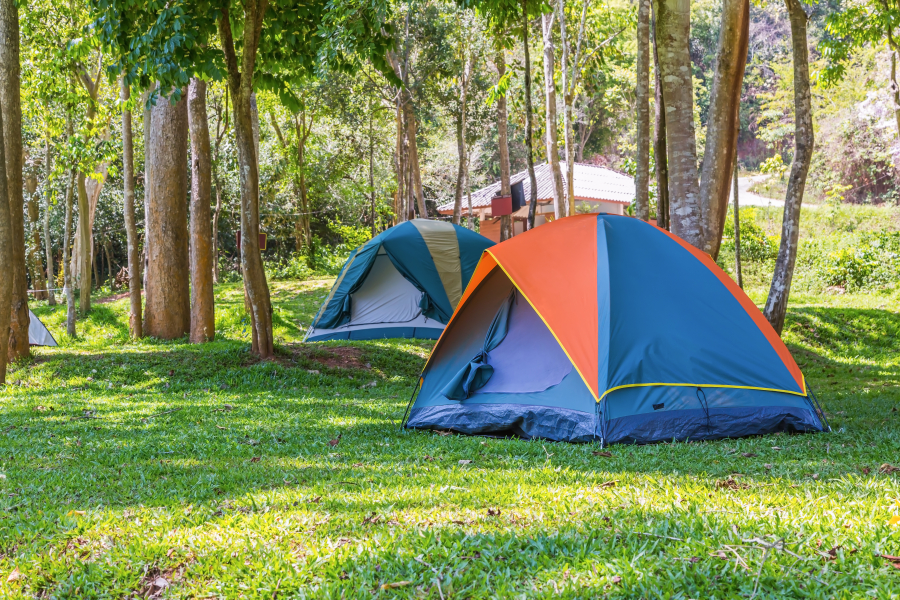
(422, 333)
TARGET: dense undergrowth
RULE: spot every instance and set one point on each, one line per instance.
(164, 469)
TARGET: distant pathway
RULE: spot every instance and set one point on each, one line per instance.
(746, 198)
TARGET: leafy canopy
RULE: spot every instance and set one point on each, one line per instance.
(172, 41)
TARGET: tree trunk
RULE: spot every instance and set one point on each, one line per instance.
(94, 269)
(68, 287)
(724, 111)
(659, 144)
(48, 242)
(895, 88)
(240, 82)
(134, 258)
(303, 220)
(569, 86)
(503, 142)
(642, 116)
(168, 309)
(737, 228)
(372, 168)
(110, 271)
(470, 222)
(529, 128)
(6, 290)
(673, 24)
(461, 174)
(552, 133)
(401, 169)
(34, 218)
(10, 98)
(415, 171)
(83, 246)
(148, 127)
(776, 305)
(203, 321)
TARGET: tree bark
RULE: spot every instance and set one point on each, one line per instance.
(83, 246)
(503, 143)
(552, 122)
(401, 168)
(642, 114)
(721, 131)
(38, 282)
(240, 83)
(776, 305)
(168, 310)
(135, 320)
(48, 242)
(303, 130)
(529, 128)
(737, 228)
(462, 174)
(659, 144)
(10, 98)
(68, 290)
(673, 24)
(203, 321)
(569, 85)
(6, 290)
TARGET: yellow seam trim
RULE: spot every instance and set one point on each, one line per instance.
(427, 362)
(700, 385)
(583, 378)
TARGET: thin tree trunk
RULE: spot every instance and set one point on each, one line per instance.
(529, 128)
(134, 282)
(461, 174)
(148, 127)
(552, 122)
(168, 308)
(642, 116)
(415, 171)
(303, 129)
(470, 222)
(721, 132)
(68, 286)
(215, 229)
(895, 87)
(737, 228)
(569, 85)
(372, 168)
(48, 242)
(203, 321)
(34, 216)
(659, 144)
(776, 305)
(94, 269)
(6, 242)
(503, 143)
(83, 246)
(401, 168)
(110, 274)
(673, 23)
(240, 82)
(10, 99)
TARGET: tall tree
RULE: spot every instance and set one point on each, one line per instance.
(779, 292)
(134, 270)
(570, 83)
(673, 24)
(34, 215)
(48, 243)
(467, 61)
(168, 311)
(203, 321)
(529, 117)
(721, 131)
(552, 123)
(659, 143)
(6, 289)
(68, 290)
(12, 139)
(642, 116)
(503, 142)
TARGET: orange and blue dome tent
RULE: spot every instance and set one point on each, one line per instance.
(605, 327)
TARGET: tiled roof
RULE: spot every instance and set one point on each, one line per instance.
(591, 183)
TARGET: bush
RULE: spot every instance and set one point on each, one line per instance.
(756, 245)
(859, 262)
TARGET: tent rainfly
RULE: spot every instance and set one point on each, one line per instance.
(403, 283)
(38, 334)
(603, 327)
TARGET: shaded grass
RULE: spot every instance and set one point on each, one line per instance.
(126, 462)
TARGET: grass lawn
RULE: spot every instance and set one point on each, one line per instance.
(157, 469)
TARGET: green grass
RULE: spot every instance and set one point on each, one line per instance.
(125, 464)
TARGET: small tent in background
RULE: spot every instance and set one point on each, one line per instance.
(403, 283)
(38, 334)
(602, 327)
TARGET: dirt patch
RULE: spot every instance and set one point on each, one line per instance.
(114, 297)
(337, 357)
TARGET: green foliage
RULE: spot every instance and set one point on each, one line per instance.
(865, 261)
(756, 244)
(774, 166)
